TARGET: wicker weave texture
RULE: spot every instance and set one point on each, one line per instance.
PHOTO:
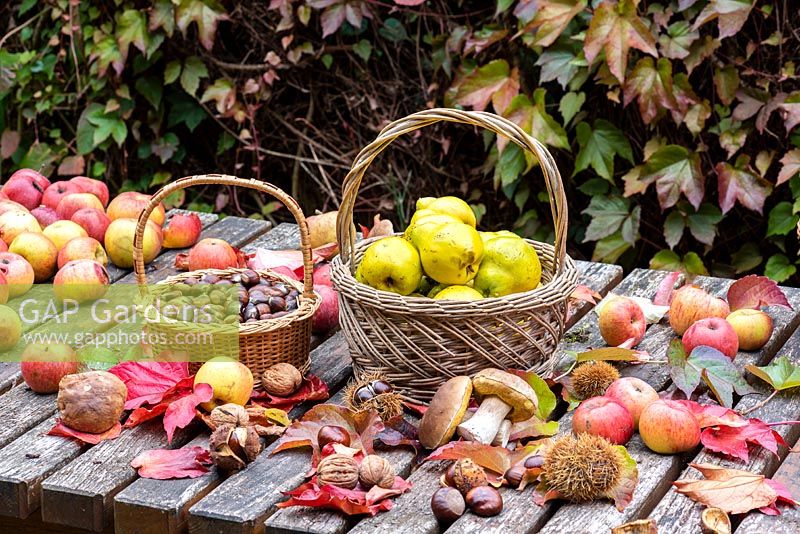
(418, 342)
(260, 344)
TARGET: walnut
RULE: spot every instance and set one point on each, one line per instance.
(281, 380)
(466, 475)
(338, 470)
(376, 471)
(91, 402)
(233, 447)
(229, 414)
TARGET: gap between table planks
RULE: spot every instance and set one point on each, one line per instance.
(243, 503)
(23, 480)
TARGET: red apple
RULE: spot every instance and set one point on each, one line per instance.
(46, 216)
(61, 232)
(76, 201)
(82, 248)
(182, 230)
(633, 393)
(43, 366)
(326, 318)
(9, 205)
(119, 241)
(18, 272)
(93, 220)
(95, 187)
(712, 332)
(212, 253)
(3, 196)
(81, 281)
(622, 319)
(3, 246)
(25, 186)
(753, 328)
(58, 190)
(691, 303)
(3, 289)
(603, 416)
(40, 252)
(29, 174)
(322, 275)
(13, 223)
(129, 205)
(667, 427)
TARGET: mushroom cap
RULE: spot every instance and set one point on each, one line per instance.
(445, 412)
(512, 389)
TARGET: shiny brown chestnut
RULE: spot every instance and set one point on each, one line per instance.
(332, 434)
(534, 461)
(484, 501)
(447, 505)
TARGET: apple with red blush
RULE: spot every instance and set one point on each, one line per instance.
(18, 273)
(95, 187)
(712, 332)
(326, 318)
(93, 220)
(46, 216)
(7, 205)
(130, 204)
(668, 427)
(40, 252)
(24, 191)
(322, 275)
(77, 201)
(44, 365)
(211, 253)
(603, 416)
(622, 319)
(3, 288)
(13, 223)
(57, 191)
(691, 303)
(81, 281)
(633, 393)
(182, 230)
(752, 327)
(3, 246)
(82, 248)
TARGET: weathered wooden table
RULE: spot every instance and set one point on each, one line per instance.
(51, 484)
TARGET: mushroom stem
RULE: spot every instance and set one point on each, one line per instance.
(483, 426)
(503, 433)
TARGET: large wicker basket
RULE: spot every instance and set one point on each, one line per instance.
(419, 342)
(260, 344)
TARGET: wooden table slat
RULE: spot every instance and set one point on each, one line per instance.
(789, 520)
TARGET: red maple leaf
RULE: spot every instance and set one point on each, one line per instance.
(147, 382)
(181, 412)
(163, 464)
(60, 429)
(734, 441)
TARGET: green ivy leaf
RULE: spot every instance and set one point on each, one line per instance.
(543, 126)
(740, 184)
(557, 63)
(222, 92)
(779, 268)
(703, 223)
(678, 40)
(184, 110)
(207, 14)
(393, 30)
(131, 29)
(84, 135)
(781, 373)
(150, 88)
(746, 258)
(363, 49)
(193, 70)
(226, 142)
(609, 249)
(162, 15)
(667, 260)
(781, 219)
(716, 369)
(650, 83)
(172, 71)
(108, 125)
(726, 81)
(571, 103)
(608, 214)
(598, 146)
(674, 225)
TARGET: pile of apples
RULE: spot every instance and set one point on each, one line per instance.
(442, 255)
(694, 314)
(69, 230)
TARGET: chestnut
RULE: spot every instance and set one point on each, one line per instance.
(484, 501)
(332, 434)
(449, 475)
(447, 505)
(534, 461)
(380, 387)
(513, 476)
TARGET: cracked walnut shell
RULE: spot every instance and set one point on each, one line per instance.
(338, 470)
(376, 471)
(232, 447)
(229, 414)
(281, 380)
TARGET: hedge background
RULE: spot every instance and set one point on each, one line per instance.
(674, 123)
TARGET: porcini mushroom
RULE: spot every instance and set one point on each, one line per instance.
(445, 412)
(502, 395)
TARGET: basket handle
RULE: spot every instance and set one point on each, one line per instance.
(224, 179)
(345, 230)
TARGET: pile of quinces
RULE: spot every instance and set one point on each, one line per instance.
(441, 255)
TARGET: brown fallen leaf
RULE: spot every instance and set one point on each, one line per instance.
(732, 490)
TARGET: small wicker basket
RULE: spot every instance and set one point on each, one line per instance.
(419, 343)
(260, 344)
